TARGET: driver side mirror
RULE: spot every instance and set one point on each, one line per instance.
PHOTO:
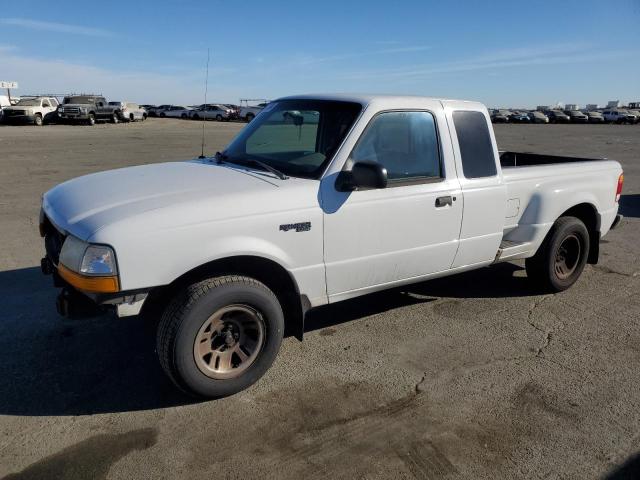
(363, 176)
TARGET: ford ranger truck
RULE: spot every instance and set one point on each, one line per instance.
(351, 195)
(88, 109)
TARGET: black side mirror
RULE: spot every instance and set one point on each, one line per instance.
(363, 175)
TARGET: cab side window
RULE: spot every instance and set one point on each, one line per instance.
(405, 143)
(476, 149)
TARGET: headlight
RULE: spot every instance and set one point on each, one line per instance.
(83, 109)
(87, 259)
(98, 260)
(88, 267)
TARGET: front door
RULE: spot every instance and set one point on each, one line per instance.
(407, 230)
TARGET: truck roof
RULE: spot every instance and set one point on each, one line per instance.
(365, 99)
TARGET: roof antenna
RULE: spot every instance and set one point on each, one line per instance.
(204, 113)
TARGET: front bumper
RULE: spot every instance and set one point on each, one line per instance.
(82, 295)
(27, 118)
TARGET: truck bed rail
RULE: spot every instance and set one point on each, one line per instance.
(517, 159)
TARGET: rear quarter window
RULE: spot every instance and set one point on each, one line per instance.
(474, 139)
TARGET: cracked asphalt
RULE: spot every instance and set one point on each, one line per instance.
(471, 376)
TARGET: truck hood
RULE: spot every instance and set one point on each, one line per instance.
(168, 195)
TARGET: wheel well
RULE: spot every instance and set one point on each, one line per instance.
(272, 274)
(589, 216)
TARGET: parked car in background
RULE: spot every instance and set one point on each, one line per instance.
(500, 116)
(618, 116)
(248, 112)
(576, 116)
(212, 112)
(636, 114)
(235, 110)
(156, 111)
(538, 117)
(87, 109)
(558, 116)
(35, 110)
(176, 111)
(129, 111)
(519, 117)
(595, 117)
(4, 102)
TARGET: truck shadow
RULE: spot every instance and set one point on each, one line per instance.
(497, 281)
(629, 470)
(50, 366)
(630, 205)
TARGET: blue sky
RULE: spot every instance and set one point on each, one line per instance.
(504, 53)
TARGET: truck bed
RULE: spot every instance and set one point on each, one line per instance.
(525, 159)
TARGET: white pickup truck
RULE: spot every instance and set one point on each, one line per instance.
(353, 195)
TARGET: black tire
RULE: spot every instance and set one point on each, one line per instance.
(183, 116)
(132, 118)
(188, 313)
(144, 116)
(567, 243)
(91, 120)
(115, 118)
(38, 121)
(195, 116)
(249, 117)
(162, 114)
(218, 118)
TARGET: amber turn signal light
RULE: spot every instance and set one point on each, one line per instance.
(89, 283)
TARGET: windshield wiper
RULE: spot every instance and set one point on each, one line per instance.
(222, 157)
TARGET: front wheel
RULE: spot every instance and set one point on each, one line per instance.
(91, 120)
(219, 118)
(219, 336)
(38, 120)
(115, 118)
(561, 258)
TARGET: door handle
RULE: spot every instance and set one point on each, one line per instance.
(444, 201)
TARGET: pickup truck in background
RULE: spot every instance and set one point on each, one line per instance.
(34, 110)
(129, 111)
(88, 109)
(351, 195)
(249, 112)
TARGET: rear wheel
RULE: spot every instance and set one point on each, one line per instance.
(562, 256)
(220, 336)
(183, 116)
(38, 120)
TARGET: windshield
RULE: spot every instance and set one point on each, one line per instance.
(29, 102)
(297, 137)
(79, 100)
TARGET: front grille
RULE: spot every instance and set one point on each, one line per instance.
(53, 241)
(14, 113)
(75, 110)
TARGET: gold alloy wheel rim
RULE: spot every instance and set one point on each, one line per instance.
(567, 256)
(229, 341)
